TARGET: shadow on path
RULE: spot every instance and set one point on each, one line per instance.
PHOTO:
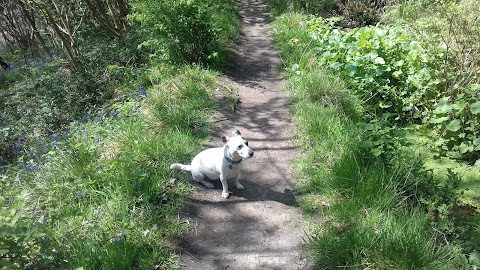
(260, 227)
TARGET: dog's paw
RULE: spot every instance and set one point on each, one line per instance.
(239, 186)
(225, 195)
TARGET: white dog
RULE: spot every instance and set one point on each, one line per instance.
(219, 163)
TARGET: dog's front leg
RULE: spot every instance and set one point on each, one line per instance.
(225, 193)
(237, 183)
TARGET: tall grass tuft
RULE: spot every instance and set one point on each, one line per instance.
(383, 240)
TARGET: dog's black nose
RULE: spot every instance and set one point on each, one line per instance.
(250, 153)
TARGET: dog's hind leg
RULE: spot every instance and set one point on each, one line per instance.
(198, 177)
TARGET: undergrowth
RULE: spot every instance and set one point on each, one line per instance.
(369, 209)
(101, 195)
(84, 154)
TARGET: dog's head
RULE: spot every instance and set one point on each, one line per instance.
(237, 145)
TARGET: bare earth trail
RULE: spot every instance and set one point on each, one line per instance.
(260, 227)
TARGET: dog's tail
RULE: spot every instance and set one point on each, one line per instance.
(178, 166)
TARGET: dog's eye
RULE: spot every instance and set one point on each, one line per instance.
(246, 143)
(240, 146)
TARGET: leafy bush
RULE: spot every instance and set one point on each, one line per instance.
(458, 124)
(187, 31)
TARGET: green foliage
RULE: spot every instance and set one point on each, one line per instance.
(399, 81)
(351, 13)
(102, 196)
(392, 240)
(183, 98)
(187, 31)
(389, 71)
(84, 177)
(458, 123)
(366, 185)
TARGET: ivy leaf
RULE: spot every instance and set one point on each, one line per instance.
(454, 125)
(475, 108)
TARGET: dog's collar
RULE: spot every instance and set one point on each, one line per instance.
(231, 161)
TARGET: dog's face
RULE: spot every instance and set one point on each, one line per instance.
(238, 145)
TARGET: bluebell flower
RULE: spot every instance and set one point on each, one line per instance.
(80, 194)
(54, 143)
(97, 119)
(21, 138)
(142, 91)
(30, 166)
(113, 113)
(16, 148)
(117, 239)
(85, 118)
(97, 139)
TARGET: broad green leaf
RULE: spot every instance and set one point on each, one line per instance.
(336, 65)
(463, 148)
(376, 152)
(439, 142)
(398, 63)
(380, 60)
(477, 163)
(475, 107)
(384, 105)
(438, 120)
(442, 106)
(476, 141)
(454, 125)
(459, 105)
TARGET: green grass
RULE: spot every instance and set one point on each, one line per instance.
(383, 240)
(363, 209)
(105, 197)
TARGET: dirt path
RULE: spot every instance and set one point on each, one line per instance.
(260, 227)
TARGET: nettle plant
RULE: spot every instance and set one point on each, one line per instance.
(389, 71)
(397, 78)
(457, 121)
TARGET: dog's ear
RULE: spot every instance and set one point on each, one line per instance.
(236, 132)
(225, 139)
